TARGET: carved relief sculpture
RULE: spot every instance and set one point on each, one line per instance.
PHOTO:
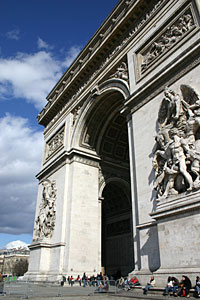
(168, 39)
(177, 158)
(55, 143)
(45, 222)
(122, 72)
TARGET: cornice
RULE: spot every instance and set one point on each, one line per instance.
(124, 22)
(68, 157)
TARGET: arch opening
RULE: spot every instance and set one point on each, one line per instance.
(105, 132)
(117, 240)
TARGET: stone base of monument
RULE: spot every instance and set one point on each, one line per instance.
(178, 225)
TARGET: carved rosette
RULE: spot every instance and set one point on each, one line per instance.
(177, 157)
(55, 143)
(45, 221)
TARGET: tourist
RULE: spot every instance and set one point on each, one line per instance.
(104, 285)
(84, 280)
(169, 286)
(121, 282)
(149, 284)
(134, 281)
(197, 286)
(92, 281)
(184, 287)
(99, 278)
(78, 279)
(175, 285)
(71, 280)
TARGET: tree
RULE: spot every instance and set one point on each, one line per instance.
(20, 268)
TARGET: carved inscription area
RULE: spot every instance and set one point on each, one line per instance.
(168, 39)
(45, 221)
(177, 157)
(56, 142)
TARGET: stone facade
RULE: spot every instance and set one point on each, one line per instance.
(113, 192)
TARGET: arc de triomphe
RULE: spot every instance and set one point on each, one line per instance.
(119, 182)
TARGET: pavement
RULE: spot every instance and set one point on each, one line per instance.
(44, 291)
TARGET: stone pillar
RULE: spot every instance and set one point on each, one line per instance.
(136, 238)
(83, 229)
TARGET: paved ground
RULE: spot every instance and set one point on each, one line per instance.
(22, 290)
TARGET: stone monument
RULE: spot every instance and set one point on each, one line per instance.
(119, 186)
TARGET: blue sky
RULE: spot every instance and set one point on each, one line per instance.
(38, 41)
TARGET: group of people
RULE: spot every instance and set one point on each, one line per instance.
(100, 281)
(175, 287)
(182, 288)
(128, 283)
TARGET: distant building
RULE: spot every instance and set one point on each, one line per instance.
(9, 258)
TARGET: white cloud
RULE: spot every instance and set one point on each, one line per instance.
(13, 34)
(16, 244)
(71, 55)
(43, 45)
(32, 76)
(20, 160)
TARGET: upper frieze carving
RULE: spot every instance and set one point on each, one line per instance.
(121, 72)
(168, 39)
(55, 143)
(45, 221)
(143, 15)
(177, 158)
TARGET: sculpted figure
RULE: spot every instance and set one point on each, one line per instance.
(177, 147)
(45, 222)
(177, 158)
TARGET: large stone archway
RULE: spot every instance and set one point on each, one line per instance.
(101, 122)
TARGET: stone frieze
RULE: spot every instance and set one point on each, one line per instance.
(173, 33)
(55, 143)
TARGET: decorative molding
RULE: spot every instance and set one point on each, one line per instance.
(45, 221)
(177, 205)
(46, 244)
(55, 143)
(84, 160)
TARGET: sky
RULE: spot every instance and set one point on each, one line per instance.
(39, 39)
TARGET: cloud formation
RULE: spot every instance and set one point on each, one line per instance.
(32, 76)
(13, 34)
(43, 45)
(29, 76)
(17, 244)
(71, 54)
(21, 152)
